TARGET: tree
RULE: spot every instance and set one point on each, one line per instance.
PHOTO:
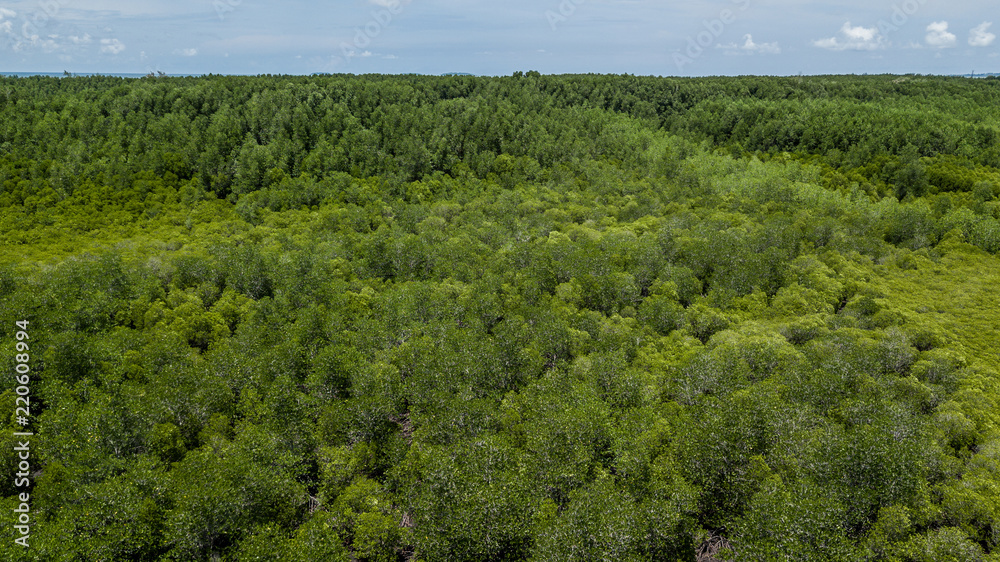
(910, 179)
(218, 494)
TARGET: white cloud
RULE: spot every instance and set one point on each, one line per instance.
(980, 37)
(939, 36)
(49, 45)
(85, 40)
(749, 47)
(390, 3)
(23, 43)
(5, 13)
(853, 39)
(187, 52)
(111, 46)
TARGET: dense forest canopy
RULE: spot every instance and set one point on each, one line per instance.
(583, 317)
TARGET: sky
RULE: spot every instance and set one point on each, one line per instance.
(641, 37)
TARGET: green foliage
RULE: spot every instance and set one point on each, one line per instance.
(218, 494)
(472, 502)
(800, 523)
(532, 317)
(600, 523)
(947, 544)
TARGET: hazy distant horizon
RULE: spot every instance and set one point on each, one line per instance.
(143, 74)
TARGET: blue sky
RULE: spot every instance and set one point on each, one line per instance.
(717, 37)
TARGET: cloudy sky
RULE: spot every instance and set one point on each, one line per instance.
(647, 37)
